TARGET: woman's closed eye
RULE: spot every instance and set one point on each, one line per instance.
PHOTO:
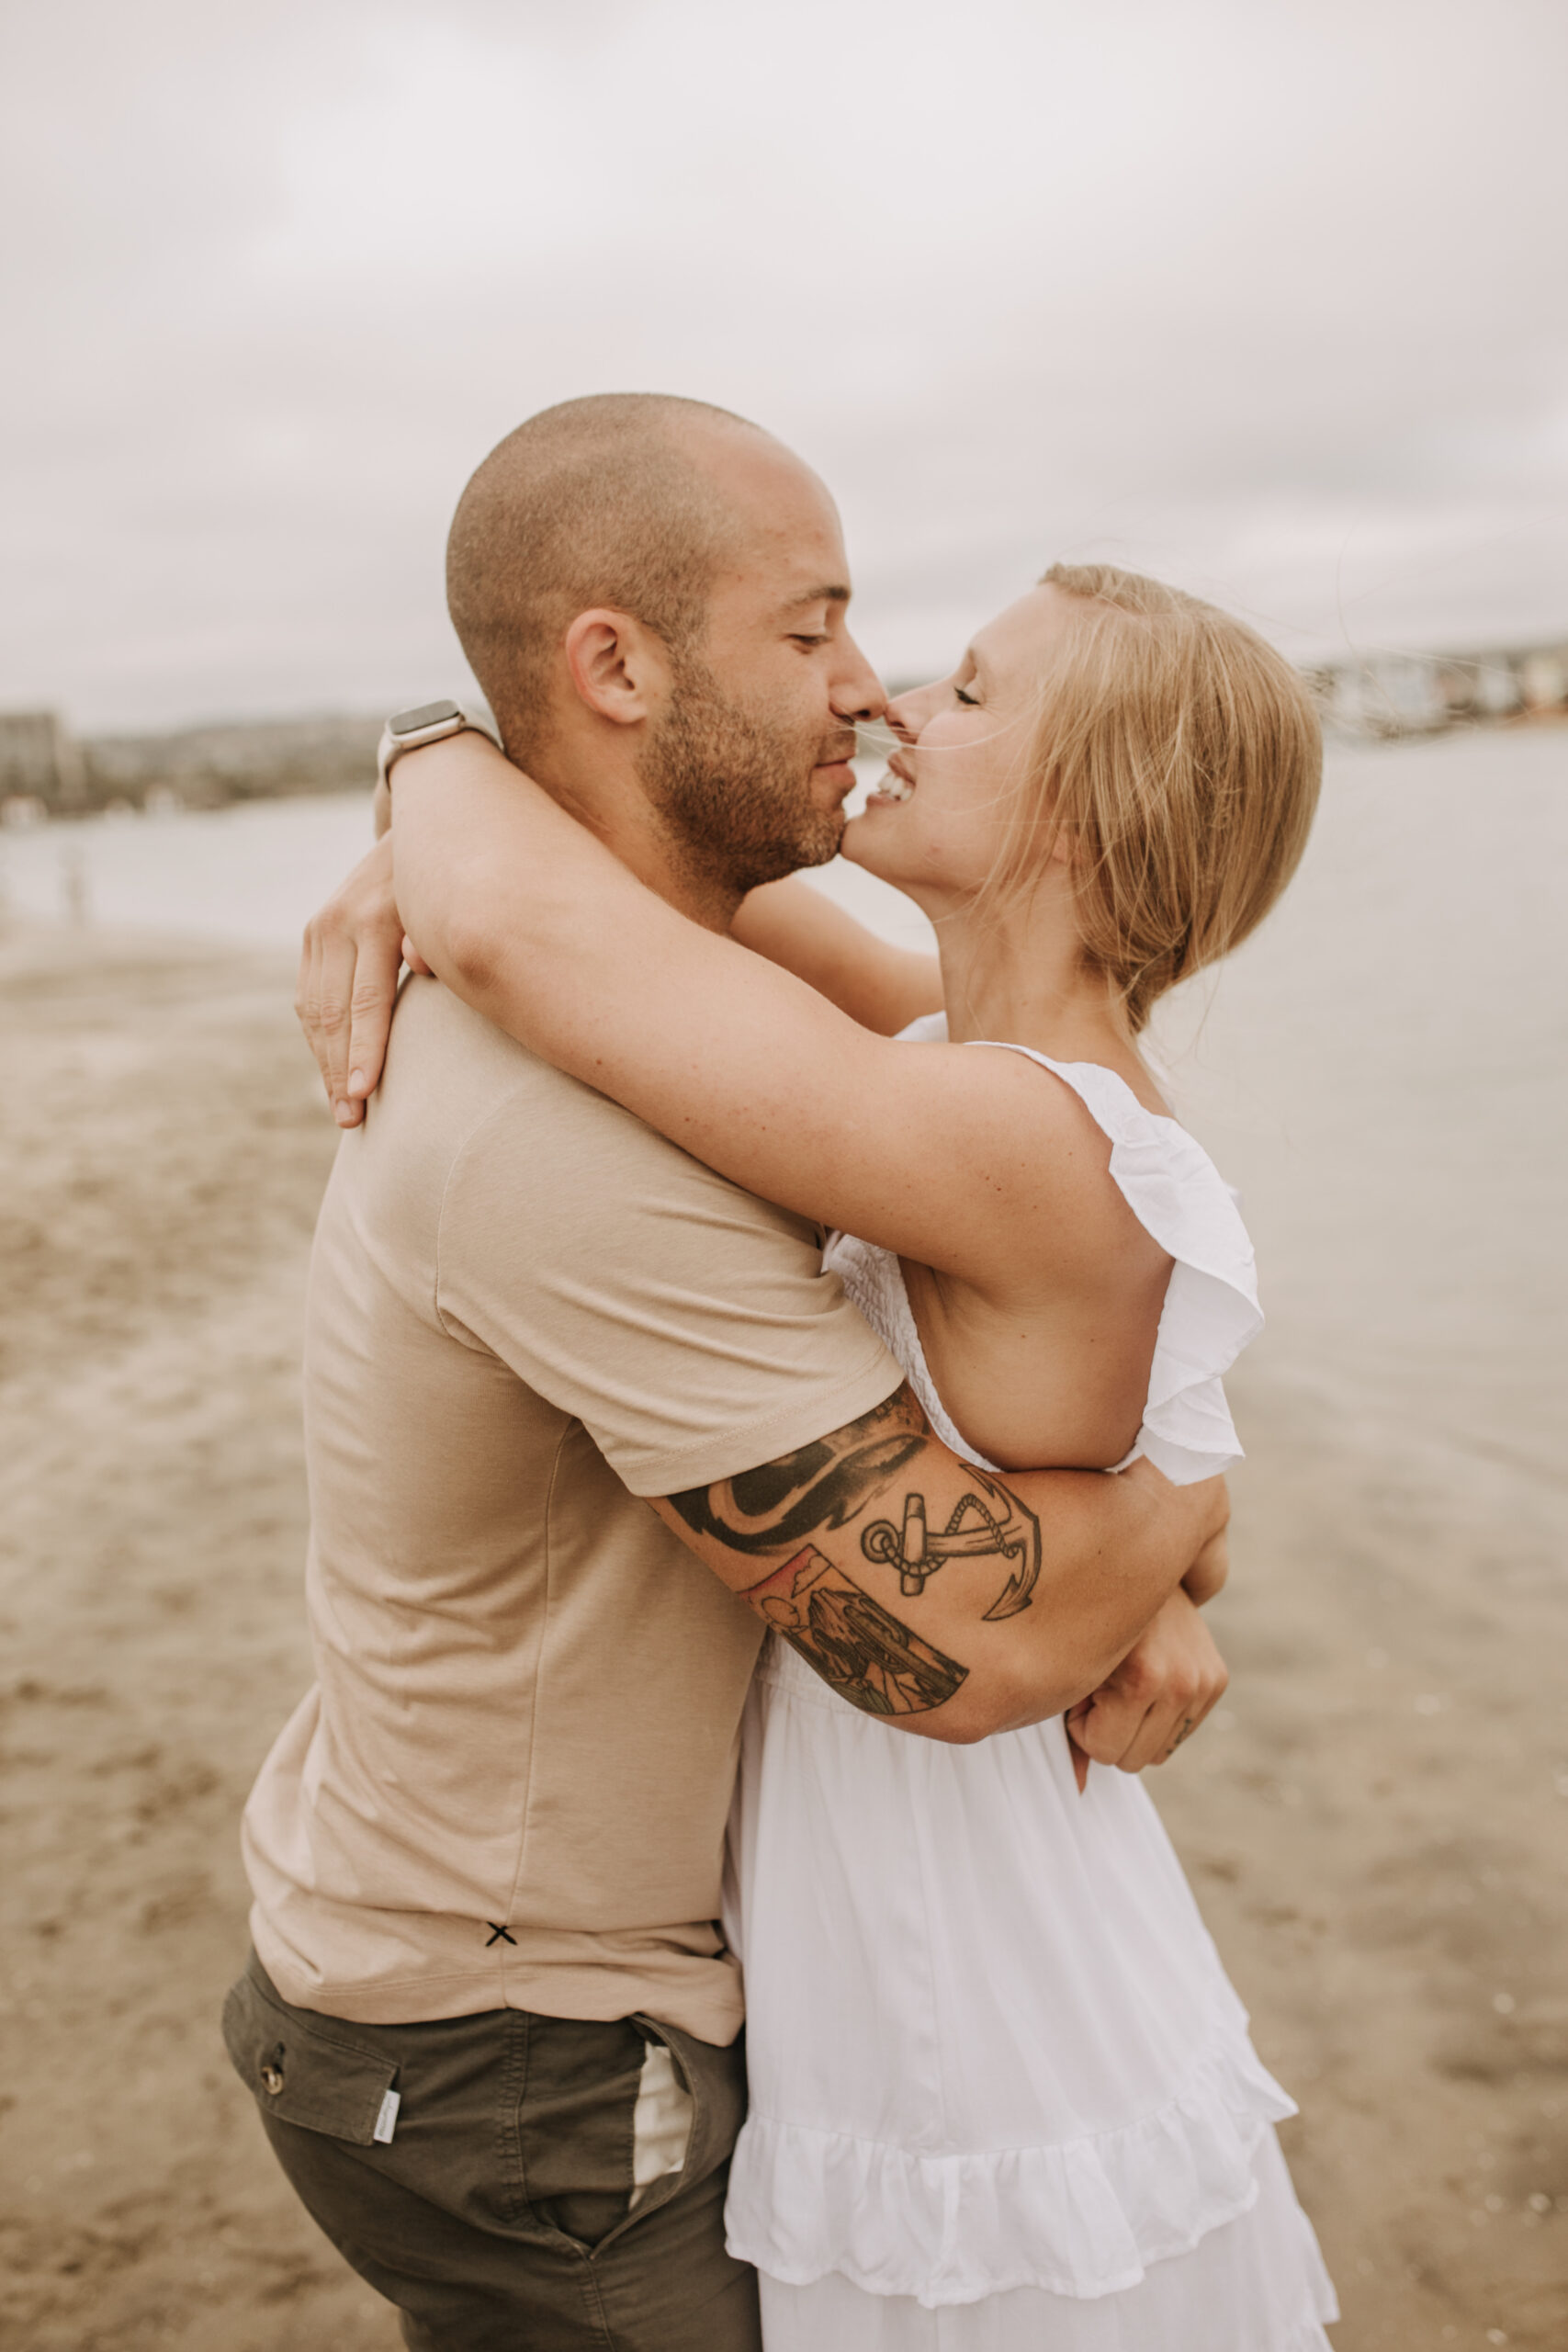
(970, 702)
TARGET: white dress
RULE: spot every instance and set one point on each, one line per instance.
(1002, 2097)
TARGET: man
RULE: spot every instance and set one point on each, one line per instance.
(491, 2023)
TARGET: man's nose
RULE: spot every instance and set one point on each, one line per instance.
(859, 695)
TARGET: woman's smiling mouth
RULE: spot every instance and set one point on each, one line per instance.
(895, 785)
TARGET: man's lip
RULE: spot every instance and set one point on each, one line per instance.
(840, 774)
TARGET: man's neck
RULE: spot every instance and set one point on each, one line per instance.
(616, 810)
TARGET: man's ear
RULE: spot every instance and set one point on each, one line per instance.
(618, 668)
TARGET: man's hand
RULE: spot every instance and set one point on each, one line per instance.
(348, 982)
(1156, 1697)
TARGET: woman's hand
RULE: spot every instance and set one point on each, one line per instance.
(348, 982)
(1207, 1575)
(1156, 1699)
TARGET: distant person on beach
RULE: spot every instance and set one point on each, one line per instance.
(1000, 2089)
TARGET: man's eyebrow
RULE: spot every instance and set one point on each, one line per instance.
(833, 593)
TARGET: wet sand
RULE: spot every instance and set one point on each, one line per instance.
(1376, 1825)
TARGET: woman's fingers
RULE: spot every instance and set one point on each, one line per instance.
(373, 994)
(341, 957)
(308, 1003)
(1157, 1696)
(1195, 1688)
(326, 968)
(1114, 1715)
(1164, 1727)
(348, 982)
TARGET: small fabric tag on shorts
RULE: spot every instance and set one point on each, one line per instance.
(387, 2121)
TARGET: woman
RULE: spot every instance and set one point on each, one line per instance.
(1002, 2095)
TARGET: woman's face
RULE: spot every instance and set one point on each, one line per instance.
(934, 823)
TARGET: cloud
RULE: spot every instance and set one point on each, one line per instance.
(1266, 298)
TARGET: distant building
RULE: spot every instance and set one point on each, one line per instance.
(1543, 679)
(40, 760)
(204, 767)
(44, 771)
(1383, 695)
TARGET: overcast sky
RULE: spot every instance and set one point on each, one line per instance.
(1268, 298)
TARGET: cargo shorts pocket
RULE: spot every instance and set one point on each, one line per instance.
(303, 2070)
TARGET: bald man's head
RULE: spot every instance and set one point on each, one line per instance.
(603, 501)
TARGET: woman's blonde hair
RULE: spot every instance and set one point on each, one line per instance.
(1181, 756)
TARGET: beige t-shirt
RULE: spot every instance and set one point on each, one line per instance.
(509, 1785)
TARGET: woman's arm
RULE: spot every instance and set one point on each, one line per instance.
(800, 929)
(940, 1155)
(353, 953)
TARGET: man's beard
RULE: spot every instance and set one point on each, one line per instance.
(733, 791)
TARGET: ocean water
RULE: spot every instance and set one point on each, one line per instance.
(1380, 1070)
(252, 872)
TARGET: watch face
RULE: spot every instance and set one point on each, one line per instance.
(429, 714)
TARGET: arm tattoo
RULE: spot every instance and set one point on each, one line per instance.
(861, 1650)
(991, 1521)
(858, 1648)
(821, 1485)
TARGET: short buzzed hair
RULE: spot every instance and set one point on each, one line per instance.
(600, 501)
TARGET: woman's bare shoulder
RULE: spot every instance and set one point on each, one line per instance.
(1045, 1207)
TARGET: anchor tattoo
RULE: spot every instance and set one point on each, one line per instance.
(990, 1522)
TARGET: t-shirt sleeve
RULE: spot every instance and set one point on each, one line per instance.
(689, 1327)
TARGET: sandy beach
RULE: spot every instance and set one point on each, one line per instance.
(1375, 1823)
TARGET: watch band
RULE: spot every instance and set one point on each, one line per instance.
(429, 722)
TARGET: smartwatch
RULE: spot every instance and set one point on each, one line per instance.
(407, 730)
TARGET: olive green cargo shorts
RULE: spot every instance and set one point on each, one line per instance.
(499, 2216)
